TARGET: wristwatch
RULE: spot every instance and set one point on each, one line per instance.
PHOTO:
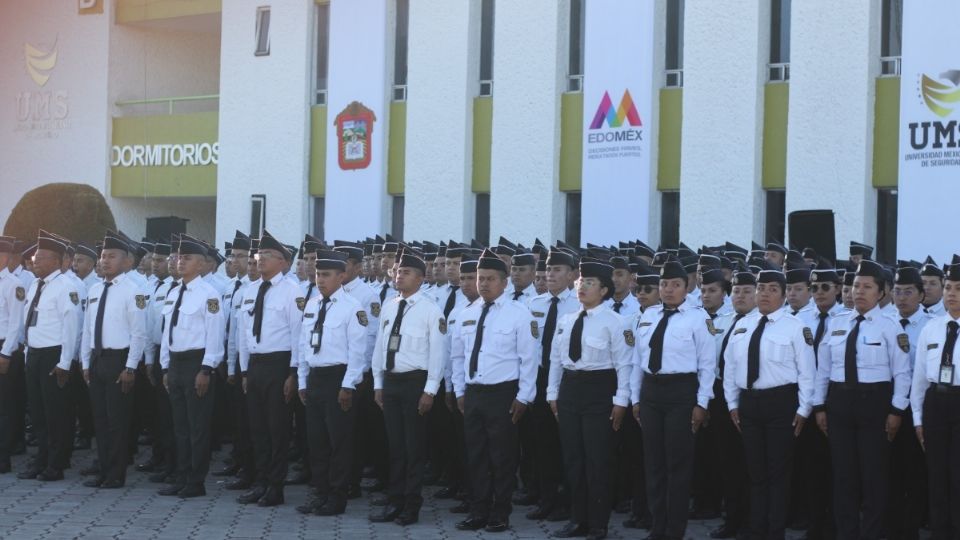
(131, 371)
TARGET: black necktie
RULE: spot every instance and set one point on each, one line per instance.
(753, 353)
(821, 329)
(576, 336)
(451, 301)
(98, 325)
(395, 331)
(850, 356)
(175, 316)
(795, 312)
(617, 306)
(656, 341)
(517, 295)
(163, 321)
(226, 336)
(310, 288)
(726, 339)
(475, 355)
(258, 309)
(32, 314)
(549, 326)
(383, 292)
(318, 327)
(904, 323)
(157, 288)
(946, 358)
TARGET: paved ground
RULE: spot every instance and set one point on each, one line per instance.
(33, 510)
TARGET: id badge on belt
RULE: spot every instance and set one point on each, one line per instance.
(946, 374)
(393, 345)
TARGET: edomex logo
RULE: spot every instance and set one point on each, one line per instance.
(941, 96)
(614, 119)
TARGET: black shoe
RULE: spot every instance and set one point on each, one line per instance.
(239, 484)
(799, 523)
(525, 498)
(171, 490)
(191, 491)
(497, 525)
(93, 483)
(382, 500)
(298, 479)
(50, 475)
(252, 496)
(91, 470)
(148, 466)
(472, 524)
(407, 517)
(462, 508)
(159, 477)
(622, 507)
(82, 443)
(724, 531)
(227, 471)
(111, 484)
(445, 493)
(353, 491)
(597, 534)
(638, 522)
(272, 497)
(389, 513)
(31, 473)
(5, 467)
(703, 514)
(559, 513)
(332, 507)
(311, 506)
(571, 530)
(376, 486)
(539, 513)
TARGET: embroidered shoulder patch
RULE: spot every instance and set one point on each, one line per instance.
(932, 346)
(534, 330)
(362, 318)
(141, 301)
(443, 326)
(75, 298)
(808, 336)
(375, 309)
(628, 337)
(213, 306)
(21, 294)
(904, 342)
(301, 303)
(838, 333)
(740, 331)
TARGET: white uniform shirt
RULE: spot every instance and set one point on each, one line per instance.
(344, 338)
(370, 302)
(199, 323)
(233, 312)
(421, 340)
(508, 351)
(282, 315)
(526, 295)
(930, 344)
(811, 319)
(540, 308)
(155, 323)
(915, 324)
(124, 320)
(604, 345)
(630, 306)
(936, 309)
(57, 317)
(12, 297)
(25, 276)
(786, 357)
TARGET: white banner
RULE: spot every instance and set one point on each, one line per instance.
(929, 185)
(617, 105)
(357, 110)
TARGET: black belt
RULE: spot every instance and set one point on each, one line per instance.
(187, 355)
(499, 387)
(588, 374)
(39, 350)
(945, 388)
(417, 373)
(320, 370)
(782, 389)
(876, 386)
(107, 353)
(270, 357)
(669, 377)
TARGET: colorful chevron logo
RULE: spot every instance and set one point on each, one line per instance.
(939, 96)
(615, 117)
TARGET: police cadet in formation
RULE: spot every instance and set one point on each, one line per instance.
(671, 387)
(114, 337)
(268, 337)
(933, 285)
(12, 297)
(190, 349)
(589, 392)
(333, 340)
(863, 382)
(493, 355)
(407, 371)
(768, 382)
(935, 403)
(51, 332)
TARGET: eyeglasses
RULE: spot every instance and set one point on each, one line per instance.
(647, 289)
(825, 287)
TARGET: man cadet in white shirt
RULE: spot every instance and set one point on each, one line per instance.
(623, 301)
(933, 284)
(114, 338)
(522, 272)
(12, 297)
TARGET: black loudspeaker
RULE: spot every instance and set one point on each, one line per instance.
(814, 229)
(160, 228)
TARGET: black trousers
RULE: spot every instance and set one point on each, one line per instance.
(191, 416)
(941, 433)
(548, 462)
(583, 407)
(856, 416)
(298, 433)
(111, 413)
(11, 406)
(144, 408)
(223, 417)
(457, 479)
(243, 453)
(813, 455)
(269, 415)
(49, 410)
(438, 427)
(631, 478)
(907, 509)
(81, 399)
(492, 439)
(727, 461)
(766, 421)
(406, 435)
(18, 377)
(331, 432)
(164, 441)
(666, 405)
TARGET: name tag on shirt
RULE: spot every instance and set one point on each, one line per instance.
(94, 300)
(946, 374)
(249, 301)
(932, 346)
(308, 315)
(168, 303)
(838, 333)
(740, 331)
(641, 325)
(469, 323)
(538, 314)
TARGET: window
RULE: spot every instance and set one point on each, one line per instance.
(886, 225)
(486, 47)
(400, 51)
(670, 218)
(482, 230)
(891, 27)
(674, 47)
(780, 41)
(263, 31)
(396, 227)
(572, 228)
(323, 52)
(319, 211)
(575, 68)
(258, 215)
(776, 214)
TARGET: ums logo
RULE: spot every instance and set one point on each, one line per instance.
(941, 96)
(39, 62)
(938, 96)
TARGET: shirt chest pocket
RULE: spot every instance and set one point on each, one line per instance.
(678, 339)
(838, 350)
(414, 340)
(644, 332)
(934, 358)
(596, 349)
(190, 317)
(872, 349)
(334, 331)
(503, 340)
(780, 349)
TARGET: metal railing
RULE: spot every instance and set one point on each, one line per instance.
(170, 101)
(779, 72)
(673, 78)
(889, 66)
(575, 83)
(486, 88)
